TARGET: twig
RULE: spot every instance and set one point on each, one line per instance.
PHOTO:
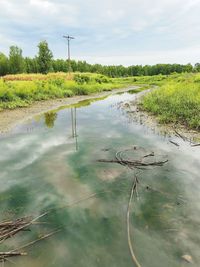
(195, 145)
(136, 262)
(35, 241)
(174, 143)
(184, 138)
(181, 136)
(134, 163)
(12, 253)
(21, 226)
(149, 155)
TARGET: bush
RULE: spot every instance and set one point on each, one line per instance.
(21, 90)
(176, 102)
(81, 78)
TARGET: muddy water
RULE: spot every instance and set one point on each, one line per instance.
(51, 161)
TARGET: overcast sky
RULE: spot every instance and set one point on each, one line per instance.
(124, 32)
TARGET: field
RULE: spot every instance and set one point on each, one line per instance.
(177, 100)
(23, 89)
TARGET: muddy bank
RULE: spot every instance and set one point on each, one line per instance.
(135, 113)
(10, 118)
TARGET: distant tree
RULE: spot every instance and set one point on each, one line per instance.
(60, 65)
(188, 68)
(197, 67)
(4, 64)
(16, 61)
(44, 62)
(44, 58)
(31, 65)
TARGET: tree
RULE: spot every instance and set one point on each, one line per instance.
(197, 67)
(44, 58)
(16, 62)
(4, 65)
(31, 65)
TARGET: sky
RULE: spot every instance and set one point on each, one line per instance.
(126, 32)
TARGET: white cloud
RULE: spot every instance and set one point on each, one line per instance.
(139, 26)
(38, 13)
(43, 4)
(182, 56)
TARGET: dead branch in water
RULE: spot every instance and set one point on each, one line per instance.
(4, 255)
(180, 135)
(174, 143)
(195, 145)
(133, 189)
(16, 252)
(10, 228)
(37, 240)
(186, 139)
(134, 163)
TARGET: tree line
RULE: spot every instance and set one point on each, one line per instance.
(44, 62)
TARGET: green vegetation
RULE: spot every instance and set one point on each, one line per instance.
(176, 101)
(15, 60)
(44, 58)
(43, 62)
(25, 80)
(22, 90)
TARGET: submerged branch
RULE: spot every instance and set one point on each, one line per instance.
(133, 189)
(186, 139)
(134, 163)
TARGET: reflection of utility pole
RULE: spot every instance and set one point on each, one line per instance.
(74, 126)
(69, 38)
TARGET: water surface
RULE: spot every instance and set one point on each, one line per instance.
(51, 161)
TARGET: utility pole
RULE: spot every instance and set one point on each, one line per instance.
(74, 126)
(69, 38)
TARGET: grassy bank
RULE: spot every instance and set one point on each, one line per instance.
(22, 90)
(176, 101)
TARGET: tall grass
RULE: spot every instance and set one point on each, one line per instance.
(22, 90)
(176, 101)
(38, 76)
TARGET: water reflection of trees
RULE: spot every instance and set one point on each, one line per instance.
(50, 118)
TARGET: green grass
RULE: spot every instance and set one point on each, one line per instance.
(176, 101)
(23, 91)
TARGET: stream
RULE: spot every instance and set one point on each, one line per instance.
(51, 161)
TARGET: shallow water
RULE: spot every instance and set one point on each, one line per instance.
(51, 161)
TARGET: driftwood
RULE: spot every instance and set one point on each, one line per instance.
(133, 189)
(180, 135)
(9, 229)
(174, 143)
(16, 252)
(185, 139)
(133, 164)
(4, 255)
(195, 145)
